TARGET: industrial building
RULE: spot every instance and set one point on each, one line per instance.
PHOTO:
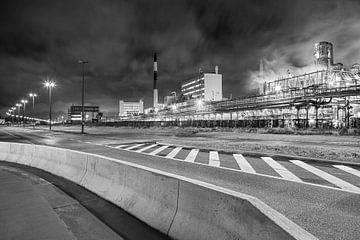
(206, 86)
(326, 98)
(129, 109)
(91, 114)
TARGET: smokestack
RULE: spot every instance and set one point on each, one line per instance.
(216, 69)
(156, 96)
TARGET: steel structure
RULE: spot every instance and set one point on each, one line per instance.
(318, 99)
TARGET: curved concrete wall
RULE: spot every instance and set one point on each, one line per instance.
(180, 207)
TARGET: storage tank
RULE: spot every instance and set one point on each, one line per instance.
(323, 53)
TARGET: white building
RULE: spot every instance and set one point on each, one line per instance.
(130, 108)
(207, 86)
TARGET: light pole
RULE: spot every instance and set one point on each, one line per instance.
(24, 102)
(33, 96)
(49, 85)
(13, 112)
(18, 106)
(83, 93)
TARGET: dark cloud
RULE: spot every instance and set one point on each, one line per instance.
(42, 39)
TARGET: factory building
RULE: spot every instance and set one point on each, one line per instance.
(326, 98)
(170, 99)
(206, 86)
(91, 113)
(129, 109)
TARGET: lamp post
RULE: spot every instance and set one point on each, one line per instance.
(33, 96)
(83, 93)
(18, 106)
(49, 85)
(24, 102)
(13, 114)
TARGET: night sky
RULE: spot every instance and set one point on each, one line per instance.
(44, 40)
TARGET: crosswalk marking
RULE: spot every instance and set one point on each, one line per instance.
(280, 169)
(348, 169)
(214, 159)
(134, 146)
(174, 152)
(330, 178)
(156, 151)
(243, 163)
(146, 148)
(192, 155)
(120, 146)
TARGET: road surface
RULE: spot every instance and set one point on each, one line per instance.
(322, 198)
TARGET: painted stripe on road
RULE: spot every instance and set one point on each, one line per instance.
(174, 152)
(214, 159)
(156, 151)
(243, 163)
(192, 155)
(146, 148)
(120, 146)
(348, 170)
(280, 169)
(135, 146)
(328, 177)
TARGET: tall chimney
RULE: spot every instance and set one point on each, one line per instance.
(156, 96)
(216, 69)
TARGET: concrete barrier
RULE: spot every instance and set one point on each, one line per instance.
(181, 207)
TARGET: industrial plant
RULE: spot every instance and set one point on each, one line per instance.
(328, 97)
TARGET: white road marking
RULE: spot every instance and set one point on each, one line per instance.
(328, 177)
(214, 159)
(280, 169)
(243, 163)
(156, 151)
(134, 146)
(146, 148)
(174, 152)
(120, 146)
(192, 155)
(348, 169)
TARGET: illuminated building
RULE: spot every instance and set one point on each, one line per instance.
(127, 109)
(326, 98)
(207, 86)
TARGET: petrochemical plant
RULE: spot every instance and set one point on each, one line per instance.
(325, 98)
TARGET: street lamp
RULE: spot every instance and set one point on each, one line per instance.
(24, 102)
(18, 106)
(13, 113)
(83, 94)
(33, 96)
(49, 85)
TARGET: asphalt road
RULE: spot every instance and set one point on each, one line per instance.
(321, 198)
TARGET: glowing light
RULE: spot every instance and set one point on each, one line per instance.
(277, 88)
(50, 84)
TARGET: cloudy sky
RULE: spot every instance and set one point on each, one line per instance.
(44, 39)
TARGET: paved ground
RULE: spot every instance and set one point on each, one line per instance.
(32, 208)
(331, 175)
(318, 202)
